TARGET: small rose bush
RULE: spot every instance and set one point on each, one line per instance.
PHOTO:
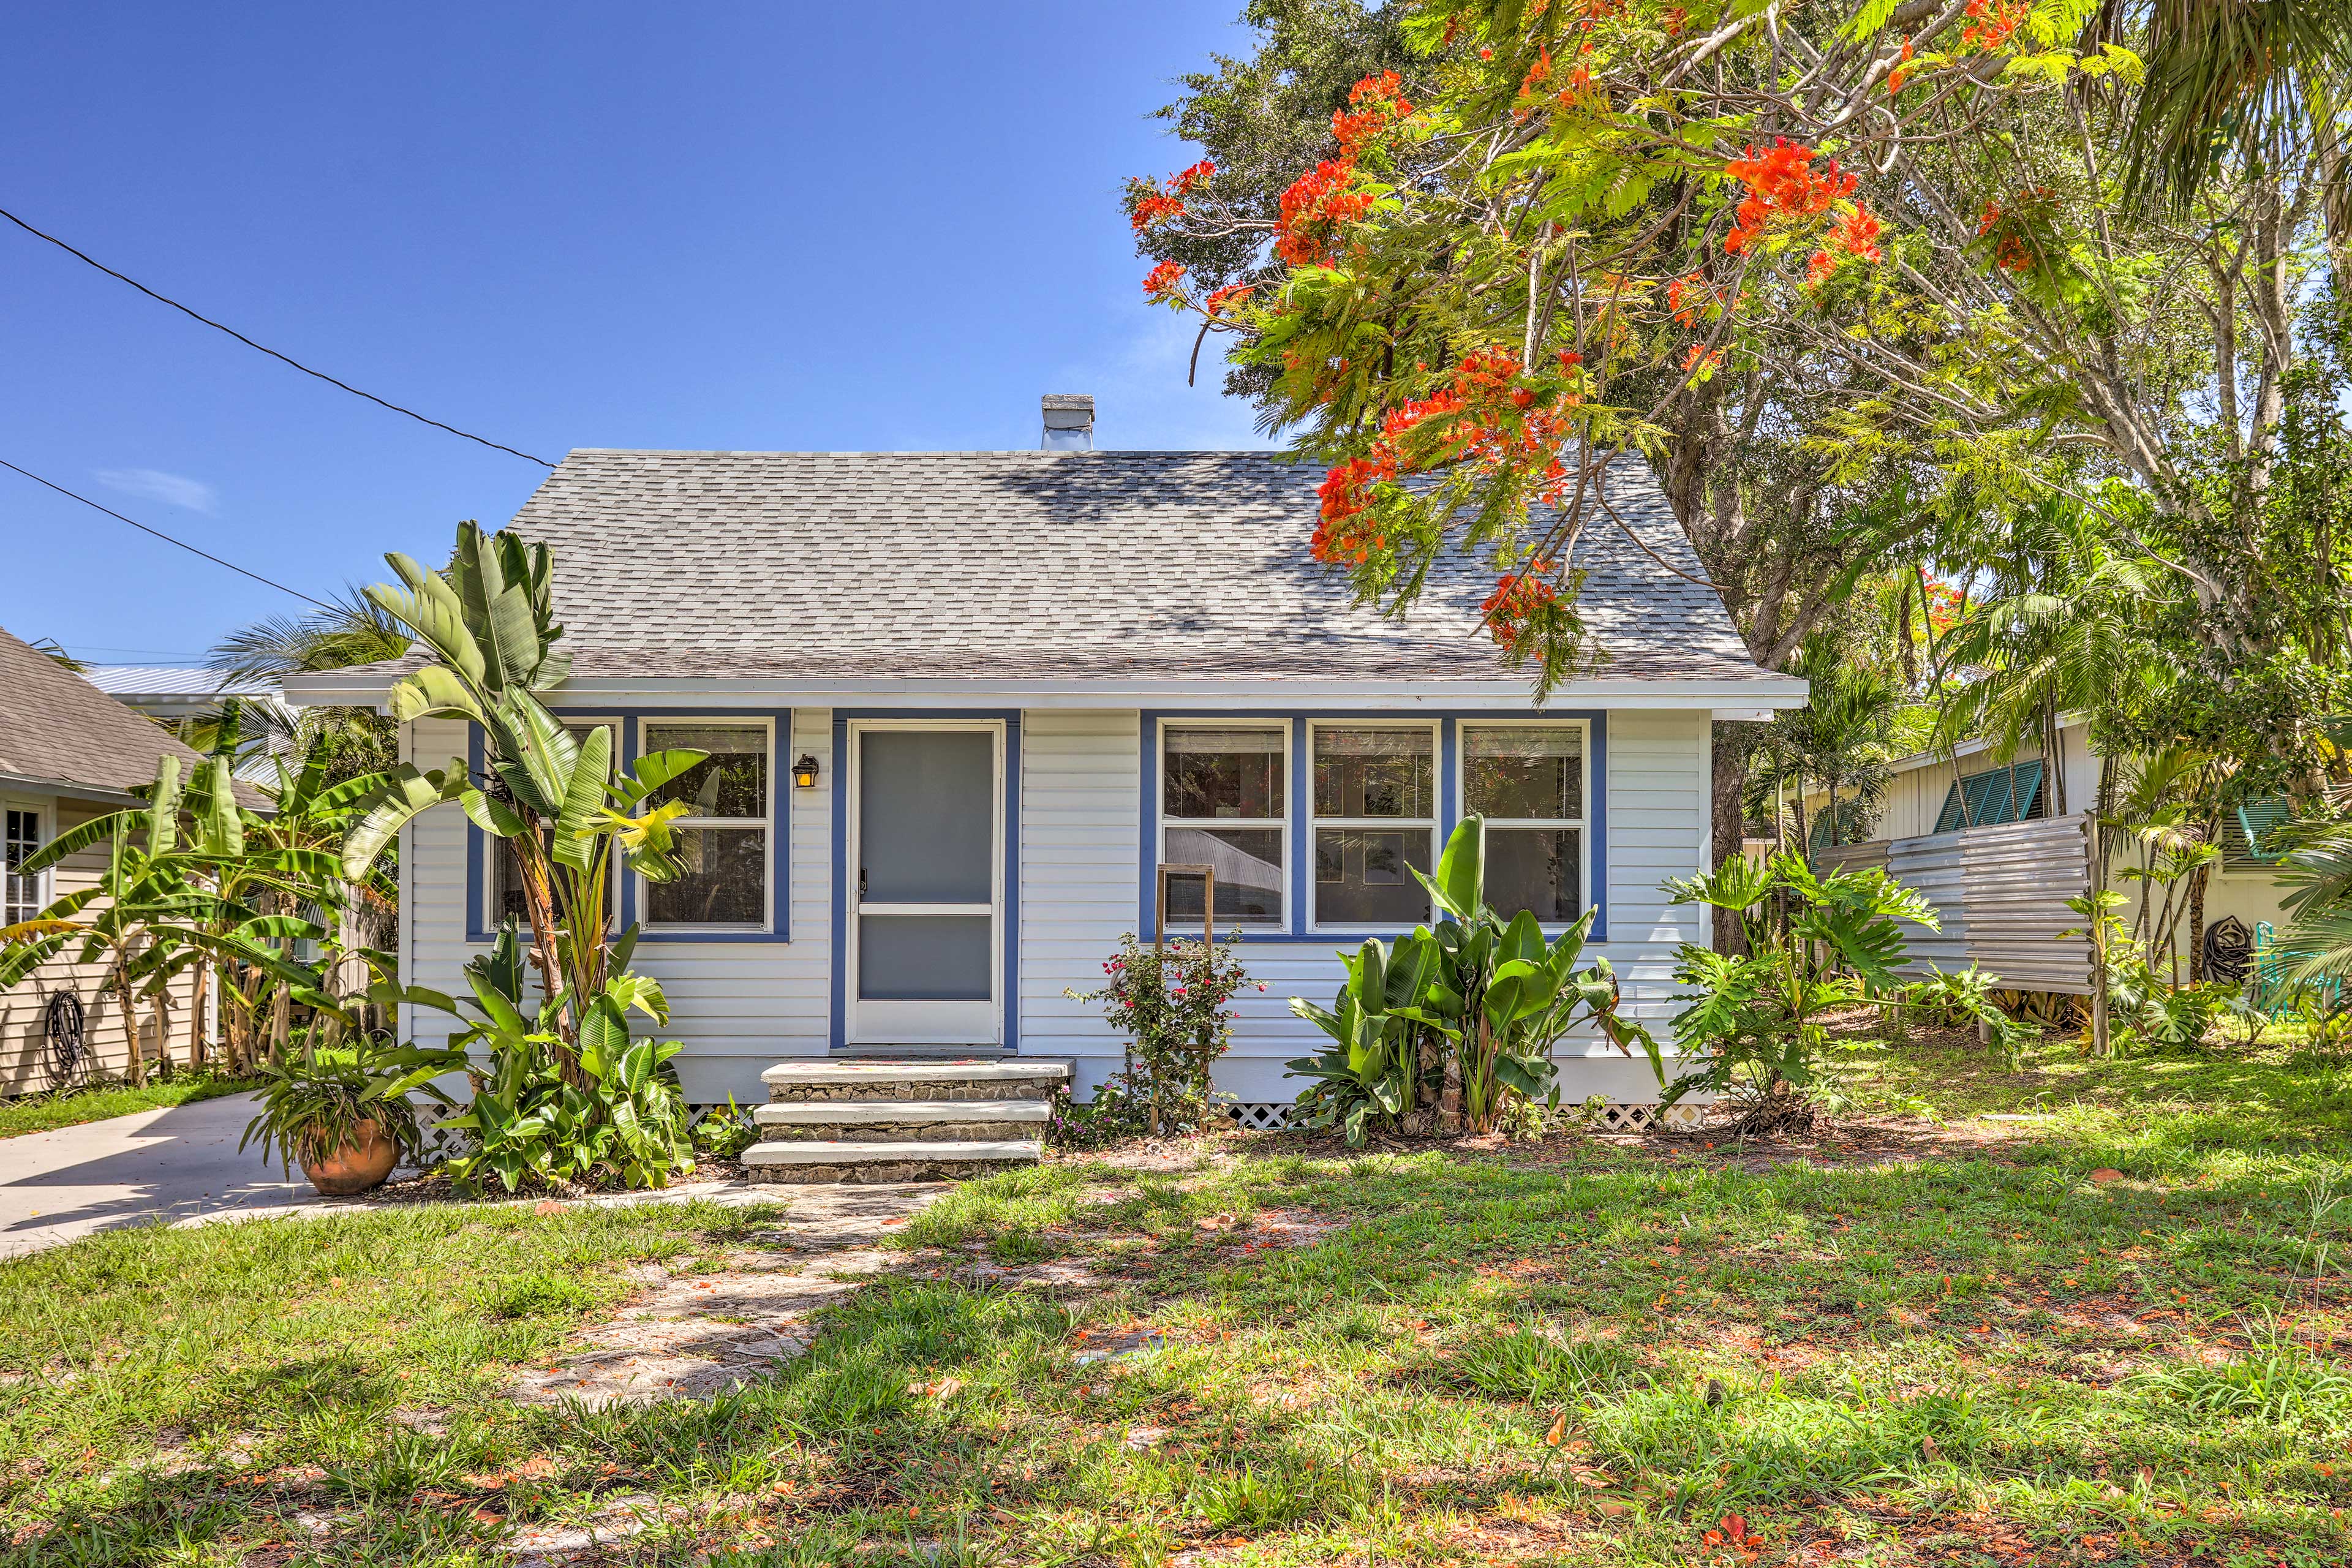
(1175, 1007)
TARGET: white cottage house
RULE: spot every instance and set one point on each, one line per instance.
(965, 703)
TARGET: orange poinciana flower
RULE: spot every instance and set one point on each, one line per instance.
(1487, 414)
(1162, 281)
(1991, 22)
(1518, 597)
(1323, 200)
(1782, 184)
(1374, 103)
(1231, 294)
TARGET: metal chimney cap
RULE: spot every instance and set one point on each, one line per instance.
(1069, 421)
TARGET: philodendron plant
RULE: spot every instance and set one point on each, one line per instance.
(619, 1117)
(1459, 1018)
(1755, 1031)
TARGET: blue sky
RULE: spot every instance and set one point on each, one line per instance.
(591, 224)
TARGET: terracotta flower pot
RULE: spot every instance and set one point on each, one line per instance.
(360, 1164)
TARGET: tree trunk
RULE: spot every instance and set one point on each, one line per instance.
(2095, 847)
(1732, 747)
(129, 1011)
(199, 1011)
(2197, 880)
(160, 1009)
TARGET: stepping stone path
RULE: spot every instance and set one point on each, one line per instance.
(699, 1333)
(902, 1120)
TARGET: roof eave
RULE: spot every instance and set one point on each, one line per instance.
(69, 789)
(1729, 699)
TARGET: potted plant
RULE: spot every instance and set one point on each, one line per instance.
(328, 1112)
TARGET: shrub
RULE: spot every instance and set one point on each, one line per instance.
(1815, 945)
(1174, 1006)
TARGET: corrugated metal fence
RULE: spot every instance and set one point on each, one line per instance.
(2000, 893)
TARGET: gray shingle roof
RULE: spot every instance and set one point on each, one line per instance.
(57, 727)
(1043, 565)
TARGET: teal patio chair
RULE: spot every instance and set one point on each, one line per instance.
(2269, 989)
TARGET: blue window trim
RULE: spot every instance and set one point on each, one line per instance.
(779, 838)
(1008, 984)
(1299, 825)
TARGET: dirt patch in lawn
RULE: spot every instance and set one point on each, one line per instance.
(692, 1333)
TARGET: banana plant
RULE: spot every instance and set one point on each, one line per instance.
(573, 818)
(1461, 1016)
(1377, 1026)
(1511, 994)
(159, 909)
(287, 865)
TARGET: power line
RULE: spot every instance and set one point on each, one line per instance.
(166, 538)
(273, 354)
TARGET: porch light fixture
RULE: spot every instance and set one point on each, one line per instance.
(804, 771)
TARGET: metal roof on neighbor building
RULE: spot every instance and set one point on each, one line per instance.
(159, 683)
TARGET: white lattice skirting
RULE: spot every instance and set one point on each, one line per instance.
(1268, 1116)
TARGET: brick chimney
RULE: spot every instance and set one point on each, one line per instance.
(1069, 422)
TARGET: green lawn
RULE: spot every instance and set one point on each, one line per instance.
(40, 1112)
(1932, 1342)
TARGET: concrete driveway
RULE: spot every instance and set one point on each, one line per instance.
(152, 1165)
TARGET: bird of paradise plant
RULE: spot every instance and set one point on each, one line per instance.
(572, 817)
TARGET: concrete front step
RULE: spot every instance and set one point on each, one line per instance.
(914, 1160)
(899, 1120)
(1011, 1078)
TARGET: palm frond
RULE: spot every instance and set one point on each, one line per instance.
(2230, 80)
(354, 631)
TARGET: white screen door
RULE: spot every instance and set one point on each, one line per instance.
(926, 884)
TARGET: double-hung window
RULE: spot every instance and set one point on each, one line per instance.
(722, 838)
(1221, 805)
(1529, 781)
(1375, 822)
(20, 894)
(506, 898)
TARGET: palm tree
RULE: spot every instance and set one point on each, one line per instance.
(2318, 870)
(354, 741)
(1842, 739)
(2236, 83)
(2056, 633)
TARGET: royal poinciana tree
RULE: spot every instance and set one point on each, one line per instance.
(1800, 259)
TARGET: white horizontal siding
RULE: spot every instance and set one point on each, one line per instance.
(740, 1006)
(737, 1006)
(1081, 849)
(1079, 786)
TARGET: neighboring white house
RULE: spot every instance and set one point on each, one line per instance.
(2000, 847)
(173, 695)
(1011, 684)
